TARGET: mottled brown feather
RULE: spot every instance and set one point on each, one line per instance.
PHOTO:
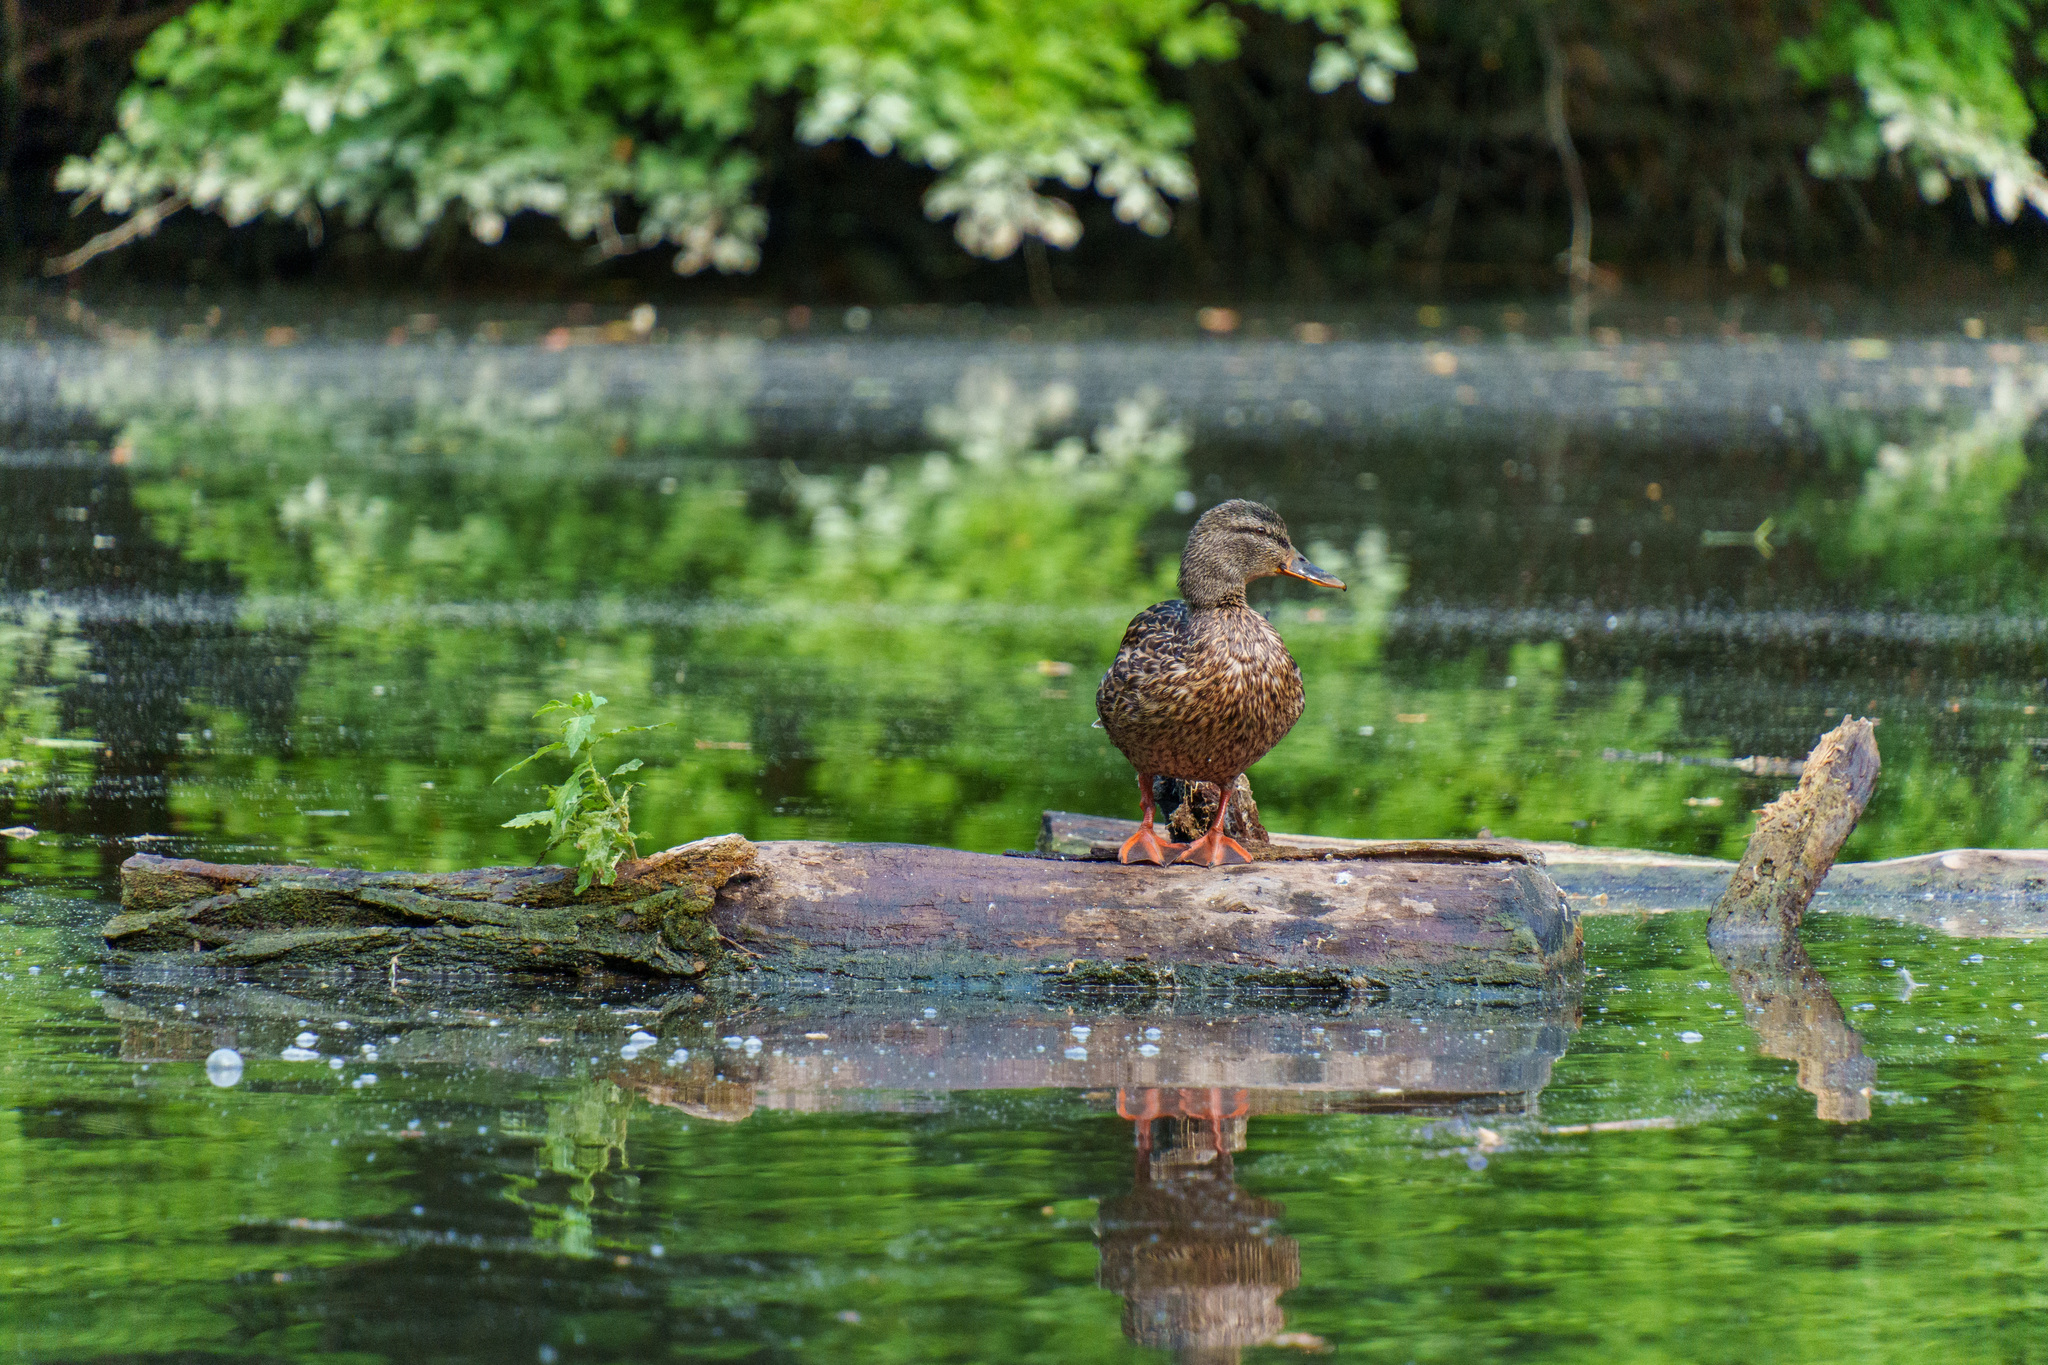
(1200, 695)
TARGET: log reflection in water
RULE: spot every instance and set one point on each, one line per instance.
(1786, 1001)
(1195, 1259)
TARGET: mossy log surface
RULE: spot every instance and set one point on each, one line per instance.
(1471, 919)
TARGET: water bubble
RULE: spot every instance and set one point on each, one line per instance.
(1148, 1049)
(1691, 1037)
(299, 1054)
(306, 1040)
(752, 1046)
(679, 1056)
(642, 1038)
(1080, 1031)
(1475, 1162)
(732, 1040)
(547, 1355)
(334, 1063)
(1155, 1035)
(931, 1014)
(1077, 1054)
(224, 1067)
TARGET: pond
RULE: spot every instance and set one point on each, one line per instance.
(299, 601)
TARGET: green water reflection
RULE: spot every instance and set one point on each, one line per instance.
(241, 626)
(1670, 1195)
(318, 626)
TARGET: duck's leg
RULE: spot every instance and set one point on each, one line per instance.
(1146, 846)
(1216, 849)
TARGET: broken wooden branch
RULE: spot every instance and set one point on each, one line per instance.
(1798, 836)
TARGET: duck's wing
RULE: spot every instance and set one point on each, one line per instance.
(1154, 645)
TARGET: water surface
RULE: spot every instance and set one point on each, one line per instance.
(300, 602)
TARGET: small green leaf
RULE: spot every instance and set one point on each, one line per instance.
(631, 765)
(576, 733)
(634, 729)
(532, 817)
(544, 749)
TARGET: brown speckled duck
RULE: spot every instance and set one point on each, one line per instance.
(1203, 687)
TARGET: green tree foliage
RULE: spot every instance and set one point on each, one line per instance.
(1951, 86)
(631, 122)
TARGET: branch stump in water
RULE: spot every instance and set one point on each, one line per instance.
(1798, 836)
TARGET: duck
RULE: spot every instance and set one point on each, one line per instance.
(1203, 686)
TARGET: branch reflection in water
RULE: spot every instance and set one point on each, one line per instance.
(1786, 1001)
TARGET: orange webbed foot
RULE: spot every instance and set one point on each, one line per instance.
(1214, 849)
(1147, 847)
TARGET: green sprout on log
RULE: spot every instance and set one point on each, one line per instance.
(585, 811)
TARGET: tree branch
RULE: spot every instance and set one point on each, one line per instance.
(1581, 255)
(141, 223)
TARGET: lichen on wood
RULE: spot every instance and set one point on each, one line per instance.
(656, 919)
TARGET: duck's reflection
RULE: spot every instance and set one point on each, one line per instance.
(1195, 1258)
(1787, 1003)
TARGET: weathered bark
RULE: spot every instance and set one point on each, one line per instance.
(1798, 835)
(1187, 809)
(1469, 919)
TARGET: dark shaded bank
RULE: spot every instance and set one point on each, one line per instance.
(1693, 134)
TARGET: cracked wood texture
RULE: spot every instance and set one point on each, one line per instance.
(1472, 921)
(1798, 836)
(887, 911)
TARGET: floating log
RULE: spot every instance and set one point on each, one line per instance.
(1473, 918)
(1965, 892)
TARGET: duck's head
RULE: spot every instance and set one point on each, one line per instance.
(1235, 542)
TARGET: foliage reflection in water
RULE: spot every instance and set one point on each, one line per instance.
(241, 626)
(620, 1177)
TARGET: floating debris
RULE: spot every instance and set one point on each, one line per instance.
(224, 1067)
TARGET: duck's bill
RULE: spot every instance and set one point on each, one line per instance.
(1299, 567)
